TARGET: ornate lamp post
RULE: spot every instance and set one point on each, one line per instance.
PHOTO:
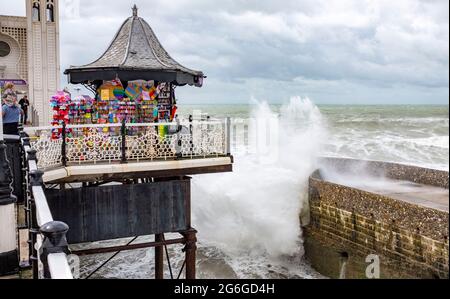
(9, 261)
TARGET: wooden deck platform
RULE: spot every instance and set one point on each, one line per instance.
(134, 170)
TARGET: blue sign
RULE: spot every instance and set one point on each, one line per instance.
(13, 81)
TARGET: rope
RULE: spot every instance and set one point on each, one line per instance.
(108, 260)
(181, 271)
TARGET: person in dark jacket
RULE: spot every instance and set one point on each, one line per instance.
(24, 104)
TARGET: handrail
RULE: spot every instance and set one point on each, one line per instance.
(52, 252)
(183, 122)
(33, 166)
(43, 213)
(57, 263)
(59, 267)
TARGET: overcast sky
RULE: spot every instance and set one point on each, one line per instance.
(343, 51)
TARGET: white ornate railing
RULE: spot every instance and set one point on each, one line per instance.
(112, 143)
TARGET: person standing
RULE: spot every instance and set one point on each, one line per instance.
(24, 104)
(11, 116)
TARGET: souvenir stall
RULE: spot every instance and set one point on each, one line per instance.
(132, 82)
(140, 102)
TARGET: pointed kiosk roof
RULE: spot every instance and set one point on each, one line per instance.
(135, 53)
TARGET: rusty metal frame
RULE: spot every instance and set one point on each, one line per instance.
(160, 244)
(101, 250)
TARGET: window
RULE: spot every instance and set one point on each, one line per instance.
(36, 12)
(5, 49)
(50, 13)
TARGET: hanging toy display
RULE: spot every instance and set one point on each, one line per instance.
(144, 94)
(164, 102)
(82, 111)
(110, 99)
(60, 103)
(173, 112)
(140, 102)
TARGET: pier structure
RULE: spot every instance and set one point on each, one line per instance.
(98, 182)
(140, 188)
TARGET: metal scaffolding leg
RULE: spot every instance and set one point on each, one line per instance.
(160, 244)
(190, 250)
(159, 257)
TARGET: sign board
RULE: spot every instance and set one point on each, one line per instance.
(13, 81)
(105, 94)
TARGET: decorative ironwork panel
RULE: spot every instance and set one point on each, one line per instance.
(93, 145)
(48, 151)
(143, 142)
(208, 140)
(143, 146)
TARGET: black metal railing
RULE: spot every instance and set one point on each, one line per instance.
(46, 238)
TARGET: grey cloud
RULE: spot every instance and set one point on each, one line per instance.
(381, 45)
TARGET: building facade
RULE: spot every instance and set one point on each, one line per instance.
(29, 55)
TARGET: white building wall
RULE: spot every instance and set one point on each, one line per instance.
(43, 67)
(10, 63)
(34, 56)
(13, 30)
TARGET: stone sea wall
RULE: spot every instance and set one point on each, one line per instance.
(396, 171)
(347, 225)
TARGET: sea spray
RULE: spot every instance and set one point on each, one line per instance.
(365, 132)
(255, 210)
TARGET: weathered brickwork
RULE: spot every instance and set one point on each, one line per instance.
(411, 241)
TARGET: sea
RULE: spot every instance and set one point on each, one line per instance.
(248, 221)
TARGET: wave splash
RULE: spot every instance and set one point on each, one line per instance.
(255, 210)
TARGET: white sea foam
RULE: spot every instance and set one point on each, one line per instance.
(408, 120)
(436, 141)
(255, 210)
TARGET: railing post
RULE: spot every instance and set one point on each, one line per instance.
(55, 241)
(64, 146)
(32, 155)
(159, 257)
(191, 130)
(26, 141)
(36, 178)
(123, 133)
(22, 133)
(190, 251)
(228, 136)
(179, 146)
